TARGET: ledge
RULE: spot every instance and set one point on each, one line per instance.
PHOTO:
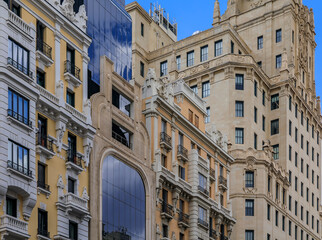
(71, 79)
(44, 59)
(10, 170)
(21, 124)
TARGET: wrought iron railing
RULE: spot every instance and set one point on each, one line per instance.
(44, 48)
(70, 67)
(18, 117)
(19, 168)
(167, 208)
(43, 232)
(203, 190)
(73, 158)
(165, 138)
(202, 222)
(43, 185)
(121, 139)
(183, 218)
(183, 151)
(223, 181)
(20, 67)
(44, 142)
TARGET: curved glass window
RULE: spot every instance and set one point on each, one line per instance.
(123, 204)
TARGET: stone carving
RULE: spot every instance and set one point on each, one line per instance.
(87, 111)
(181, 75)
(60, 130)
(303, 39)
(220, 139)
(85, 195)
(67, 9)
(173, 237)
(256, 4)
(60, 186)
(81, 18)
(88, 145)
(151, 74)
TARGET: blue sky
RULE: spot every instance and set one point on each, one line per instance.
(202, 10)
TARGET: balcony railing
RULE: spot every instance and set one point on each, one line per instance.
(19, 168)
(212, 233)
(43, 232)
(203, 190)
(212, 173)
(167, 209)
(223, 237)
(44, 48)
(44, 142)
(223, 181)
(18, 117)
(74, 158)
(74, 200)
(184, 218)
(43, 185)
(203, 223)
(20, 67)
(121, 139)
(165, 140)
(182, 151)
(69, 67)
(13, 223)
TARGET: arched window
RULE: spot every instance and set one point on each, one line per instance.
(123, 201)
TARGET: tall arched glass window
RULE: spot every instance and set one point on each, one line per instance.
(123, 201)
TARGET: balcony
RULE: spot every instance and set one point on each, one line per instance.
(16, 22)
(75, 205)
(222, 183)
(72, 73)
(14, 116)
(20, 70)
(183, 220)
(44, 53)
(212, 234)
(203, 190)
(43, 234)
(121, 139)
(44, 146)
(165, 141)
(13, 228)
(74, 161)
(203, 223)
(182, 153)
(43, 188)
(223, 237)
(212, 174)
(20, 170)
(167, 211)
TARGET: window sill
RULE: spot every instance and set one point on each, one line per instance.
(10, 170)
(71, 79)
(43, 191)
(44, 151)
(20, 74)
(21, 124)
(40, 237)
(44, 59)
(74, 167)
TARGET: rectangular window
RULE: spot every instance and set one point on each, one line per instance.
(190, 58)
(121, 102)
(178, 60)
(164, 160)
(255, 114)
(205, 89)
(290, 228)
(141, 69)
(302, 118)
(43, 223)
(239, 136)
(194, 89)
(302, 165)
(202, 182)
(296, 133)
(260, 64)
(204, 53)
(290, 203)
(239, 109)
(276, 218)
(278, 35)
(278, 61)
(290, 128)
(269, 183)
(313, 155)
(239, 82)
(307, 194)
(312, 131)
(18, 107)
(182, 172)
(123, 135)
(263, 122)
(302, 141)
(307, 171)
(73, 230)
(307, 147)
(11, 207)
(249, 179)
(268, 236)
(196, 121)
(255, 88)
(41, 79)
(302, 189)
(275, 101)
(263, 98)
(70, 97)
(142, 29)
(41, 183)
(268, 212)
(218, 48)
(290, 103)
(249, 235)
(295, 186)
(275, 127)
(71, 185)
(165, 230)
(283, 223)
(283, 197)
(18, 158)
(276, 151)
(307, 124)
(207, 119)
(260, 42)
(296, 106)
(255, 141)
(18, 57)
(290, 153)
(202, 214)
(296, 157)
(249, 207)
(164, 68)
(277, 190)
(232, 47)
(190, 116)
(302, 213)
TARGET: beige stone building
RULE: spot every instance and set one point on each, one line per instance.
(255, 70)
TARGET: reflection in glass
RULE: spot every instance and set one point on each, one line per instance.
(123, 202)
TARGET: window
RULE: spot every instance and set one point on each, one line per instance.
(290, 228)
(72, 149)
(278, 61)
(18, 57)
(296, 106)
(163, 68)
(255, 114)
(302, 118)
(277, 190)
(269, 183)
(70, 62)
(313, 155)
(239, 109)
(317, 226)
(302, 141)
(249, 179)
(307, 124)
(190, 116)
(295, 208)
(296, 157)
(71, 185)
(263, 122)
(283, 195)
(307, 194)
(290, 128)
(11, 207)
(302, 213)
(278, 35)
(141, 69)
(178, 60)
(239, 82)
(249, 207)
(255, 141)
(290, 176)
(182, 172)
(43, 223)
(232, 47)
(302, 189)
(296, 133)
(268, 236)
(260, 42)
(307, 147)
(190, 58)
(205, 89)
(260, 64)
(121, 102)
(283, 223)
(307, 171)
(207, 119)
(317, 182)
(263, 98)
(202, 214)
(268, 212)
(255, 88)
(275, 101)
(41, 79)
(218, 48)
(196, 121)
(73, 230)
(275, 127)
(165, 230)
(290, 103)
(318, 159)
(18, 107)
(318, 138)
(123, 135)
(312, 198)
(194, 89)
(239, 136)
(302, 165)
(70, 97)
(249, 235)
(295, 232)
(202, 182)
(307, 217)
(164, 160)
(290, 153)
(276, 218)
(42, 176)
(290, 203)
(276, 151)
(312, 176)
(312, 131)
(204, 53)
(18, 158)
(142, 29)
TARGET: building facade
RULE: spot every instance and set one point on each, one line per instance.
(255, 70)
(122, 179)
(192, 186)
(46, 135)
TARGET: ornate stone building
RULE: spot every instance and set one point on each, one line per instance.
(255, 70)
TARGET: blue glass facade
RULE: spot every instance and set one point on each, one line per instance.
(110, 28)
(123, 201)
